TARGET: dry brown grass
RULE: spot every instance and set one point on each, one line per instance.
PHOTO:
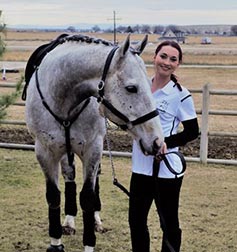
(200, 59)
(30, 35)
(189, 59)
(37, 35)
(223, 50)
(16, 55)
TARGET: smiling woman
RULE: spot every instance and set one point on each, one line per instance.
(151, 179)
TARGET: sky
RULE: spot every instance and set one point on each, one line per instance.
(128, 12)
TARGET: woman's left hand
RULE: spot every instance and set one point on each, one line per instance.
(162, 150)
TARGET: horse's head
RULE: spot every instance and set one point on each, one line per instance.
(126, 95)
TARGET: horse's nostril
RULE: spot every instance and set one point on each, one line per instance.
(155, 146)
(142, 148)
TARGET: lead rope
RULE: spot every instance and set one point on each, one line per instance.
(115, 180)
(109, 149)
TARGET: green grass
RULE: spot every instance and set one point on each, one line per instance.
(208, 208)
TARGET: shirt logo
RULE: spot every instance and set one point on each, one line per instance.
(163, 105)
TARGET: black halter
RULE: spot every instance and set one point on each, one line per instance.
(128, 124)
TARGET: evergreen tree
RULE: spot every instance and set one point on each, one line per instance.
(2, 31)
(8, 99)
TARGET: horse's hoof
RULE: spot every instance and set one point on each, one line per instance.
(100, 229)
(67, 230)
(53, 248)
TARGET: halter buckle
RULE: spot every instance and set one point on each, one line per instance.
(101, 85)
(129, 125)
(126, 126)
(66, 123)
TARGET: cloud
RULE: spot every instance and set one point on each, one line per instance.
(189, 17)
(60, 12)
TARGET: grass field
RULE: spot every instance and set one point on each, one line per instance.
(208, 206)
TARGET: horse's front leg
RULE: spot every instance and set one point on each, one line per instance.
(98, 222)
(70, 208)
(89, 196)
(50, 166)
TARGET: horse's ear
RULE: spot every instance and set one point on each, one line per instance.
(140, 47)
(125, 46)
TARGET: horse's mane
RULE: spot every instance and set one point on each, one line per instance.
(86, 39)
(38, 55)
(89, 40)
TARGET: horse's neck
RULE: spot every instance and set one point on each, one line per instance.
(81, 63)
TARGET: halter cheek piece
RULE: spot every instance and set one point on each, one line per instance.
(101, 99)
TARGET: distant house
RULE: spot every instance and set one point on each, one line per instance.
(206, 40)
(175, 35)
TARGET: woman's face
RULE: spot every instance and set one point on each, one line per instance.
(166, 61)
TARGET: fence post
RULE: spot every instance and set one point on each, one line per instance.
(4, 74)
(204, 125)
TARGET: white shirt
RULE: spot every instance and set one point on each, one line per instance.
(174, 106)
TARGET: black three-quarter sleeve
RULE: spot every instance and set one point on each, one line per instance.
(189, 133)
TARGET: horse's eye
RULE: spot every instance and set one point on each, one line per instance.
(131, 89)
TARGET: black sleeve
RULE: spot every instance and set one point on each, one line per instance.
(189, 133)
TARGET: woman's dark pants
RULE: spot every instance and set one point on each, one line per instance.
(165, 192)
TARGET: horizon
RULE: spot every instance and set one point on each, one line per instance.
(103, 26)
(161, 12)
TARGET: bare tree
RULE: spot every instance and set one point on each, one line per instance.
(173, 28)
(137, 28)
(71, 29)
(158, 29)
(234, 29)
(96, 28)
(129, 29)
(145, 29)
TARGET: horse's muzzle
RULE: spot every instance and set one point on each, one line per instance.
(154, 150)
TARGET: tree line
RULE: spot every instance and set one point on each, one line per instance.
(159, 29)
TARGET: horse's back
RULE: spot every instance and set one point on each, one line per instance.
(60, 75)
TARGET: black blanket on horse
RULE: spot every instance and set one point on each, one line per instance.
(36, 58)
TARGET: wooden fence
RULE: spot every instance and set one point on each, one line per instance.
(205, 112)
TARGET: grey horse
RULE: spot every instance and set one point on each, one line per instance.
(78, 83)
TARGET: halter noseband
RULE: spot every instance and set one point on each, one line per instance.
(101, 99)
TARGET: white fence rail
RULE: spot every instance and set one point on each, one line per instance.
(205, 112)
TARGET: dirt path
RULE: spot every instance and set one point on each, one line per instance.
(219, 147)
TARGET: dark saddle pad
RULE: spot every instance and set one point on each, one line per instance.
(36, 58)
